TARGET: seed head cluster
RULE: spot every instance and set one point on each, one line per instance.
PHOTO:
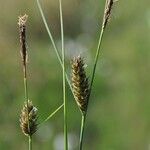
(28, 119)
(107, 11)
(80, 84)
(22, 30)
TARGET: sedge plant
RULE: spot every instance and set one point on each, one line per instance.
(80, 86)
(28, 116)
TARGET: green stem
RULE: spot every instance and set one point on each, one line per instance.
(93, 76)
(49, 32)
(82, 131)
(30, 142)
(98, 50)
(25, 83)
(96, 57)
(52, 114)
(64, 83)
(26, 91)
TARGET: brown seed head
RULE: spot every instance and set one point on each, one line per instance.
(80, 83)
(28, 119)
(107, 11)
(22, 30)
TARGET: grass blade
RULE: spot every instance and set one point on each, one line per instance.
(64, 81)
(52, 114)
(82, 131)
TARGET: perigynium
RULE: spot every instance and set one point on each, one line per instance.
(80, 83)
(29, 127)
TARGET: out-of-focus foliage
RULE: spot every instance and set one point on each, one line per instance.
(118, 117)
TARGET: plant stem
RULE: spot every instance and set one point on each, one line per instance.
(106, 15)
(52, 114)
(91, 84)
(26, 98)
(93, 74)
(49, 32)
(82, 131)
(96, 58)
(30, 142)
(25, 83)
(64, 82)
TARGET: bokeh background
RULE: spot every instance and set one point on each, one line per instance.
(119, 110)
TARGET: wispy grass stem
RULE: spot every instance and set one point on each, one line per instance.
(64, 80)
(30, 142)
(82, 131)
(52, 114)
(106, 16)
(96, 59)
(91, 84)
(27, 101)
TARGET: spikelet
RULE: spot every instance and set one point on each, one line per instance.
(80, 84)
(107, 11)
(29, 112)
(22, 29)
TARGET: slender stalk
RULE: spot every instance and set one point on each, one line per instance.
(49, 32)
(25, 83)
(26, 98)
(64, 82)
(106, 16)
(82, 131)
(91, 84)
(96, 58)
(26, 89)
(30, 142)
(52, 114)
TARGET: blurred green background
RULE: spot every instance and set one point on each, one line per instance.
(118, 116)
